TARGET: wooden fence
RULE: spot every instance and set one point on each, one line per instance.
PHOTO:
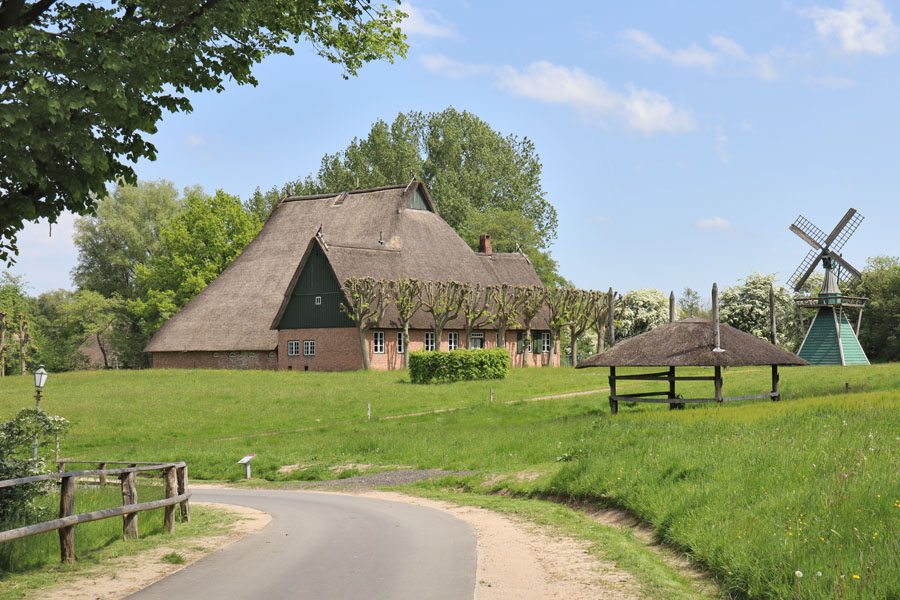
(175, 477)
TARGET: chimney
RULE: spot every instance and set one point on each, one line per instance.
(484, 245)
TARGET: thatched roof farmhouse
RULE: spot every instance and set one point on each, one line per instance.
(278, 304)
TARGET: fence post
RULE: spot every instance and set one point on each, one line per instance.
(182, 488)
(66, 508)
(129, 496)
(171, 487)
(102, 475)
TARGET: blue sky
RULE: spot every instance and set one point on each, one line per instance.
(679, 140)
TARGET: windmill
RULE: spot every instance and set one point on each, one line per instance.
(830, 339)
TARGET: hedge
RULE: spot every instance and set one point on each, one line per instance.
(458, 365)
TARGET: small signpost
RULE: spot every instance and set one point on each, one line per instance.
(246, 462)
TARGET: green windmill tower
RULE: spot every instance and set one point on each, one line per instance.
(830, 339)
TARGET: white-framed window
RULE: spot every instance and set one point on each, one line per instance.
(318, 300)
(309, 347)
(251, 355)
(293, 347)
(215, 355)
(400, 346)
(476, 340)
(545, 342)
(232, 355)
(453, 340)
(378, 342)
(429, 340)
(271, 355)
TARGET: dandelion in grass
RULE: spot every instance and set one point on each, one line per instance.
(798, 574)
(855, 576)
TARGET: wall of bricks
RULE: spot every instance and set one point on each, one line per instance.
(258, 359)
(338, 349)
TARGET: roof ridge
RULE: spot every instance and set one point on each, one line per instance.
(333, 194)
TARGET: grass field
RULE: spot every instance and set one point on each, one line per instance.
(754, 491)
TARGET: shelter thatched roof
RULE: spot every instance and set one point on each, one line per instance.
(689, 343)
(370, 233)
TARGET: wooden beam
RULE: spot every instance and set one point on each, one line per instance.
(171, 487)
(772, 314)
(776, 396)
(48, 476)
(715, 308)
(611, 304)
(66, 508)
(129, 498)
(182, 489)
(672, 306)
(718, 379)
(613, 404)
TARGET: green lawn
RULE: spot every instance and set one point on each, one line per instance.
(753, 491)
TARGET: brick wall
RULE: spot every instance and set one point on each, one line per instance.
(258, 359)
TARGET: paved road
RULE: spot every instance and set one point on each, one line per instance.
(329, 546)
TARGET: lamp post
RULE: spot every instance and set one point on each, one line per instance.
(40, 378)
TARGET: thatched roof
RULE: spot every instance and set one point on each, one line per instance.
(689, 343)
(236, 311)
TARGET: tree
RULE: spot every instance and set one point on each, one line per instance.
(4, 347)
(443, 301)
(880, 331)
(481, 181)
(365, 303)
(89, 79)
(476, 308)
(123, 233)
(66, 321)
(600, 315)
(13, 303)
(406, 293)
(507, 308)
(559, 314)
(746, 307)
(580, 318)
(690, 304)
(532, 299)
(640, 311)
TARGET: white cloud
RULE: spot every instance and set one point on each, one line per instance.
(448, 67)
(861, 27)
(713, 223)
(194, 141)
(642, 110)
(46, 253)
(425, 22)
(832, 82)
(725, 50)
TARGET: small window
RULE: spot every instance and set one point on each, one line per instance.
(309, 347)
(215, 355)
(251, 355)
(453, 340)
(271, 354)
(400, 346)
(339, 201)
(378, 342)
(294, 348)
(231, 355)
(545, 342)
(429, 340)
(318, 300)
(476, 340)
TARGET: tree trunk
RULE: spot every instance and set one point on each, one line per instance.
(2, 344)
(438, 333)
(406, 345)
(468, 337)
(526, 351)
(501, 337)
(601, 333)
(573, 347)
(363, 347)
(102, 351)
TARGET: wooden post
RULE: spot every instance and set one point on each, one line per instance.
(611, 303)
(672, 395)
(777, 395)
(858, 322)
(67, 509)
(62, 467)
(492, 396)
(102, 475)
(772, 313)
(171, 492)
(715, 308)
(719, 384)
(368, 413)
(613, 404)
(129, 496)
(672, 306)
(182, 488)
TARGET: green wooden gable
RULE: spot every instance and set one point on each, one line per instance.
(417, 201)
(316, 299)
(831, 341)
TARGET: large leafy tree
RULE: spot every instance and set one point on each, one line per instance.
(81, 83)
(639, 311)
(481, 180)
(880, 331)
(746, 307)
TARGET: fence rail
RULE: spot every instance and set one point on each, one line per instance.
(175, 476)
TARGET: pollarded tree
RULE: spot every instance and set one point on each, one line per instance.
(559, 314)
(477, 309)
(406, 293)
(89, 79)
(507, 308)
(4, 347)
(600, 315)
(26, 343)
(581, 318)
(364, 302)
(531, 298)
(443, 300)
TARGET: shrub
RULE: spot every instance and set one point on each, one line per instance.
(458, 365)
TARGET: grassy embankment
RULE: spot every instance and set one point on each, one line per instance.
(754, 492)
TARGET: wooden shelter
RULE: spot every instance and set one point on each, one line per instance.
(689, 342)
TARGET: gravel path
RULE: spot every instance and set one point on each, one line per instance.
(384, 478)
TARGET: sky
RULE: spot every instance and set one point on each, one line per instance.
(678, 140)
